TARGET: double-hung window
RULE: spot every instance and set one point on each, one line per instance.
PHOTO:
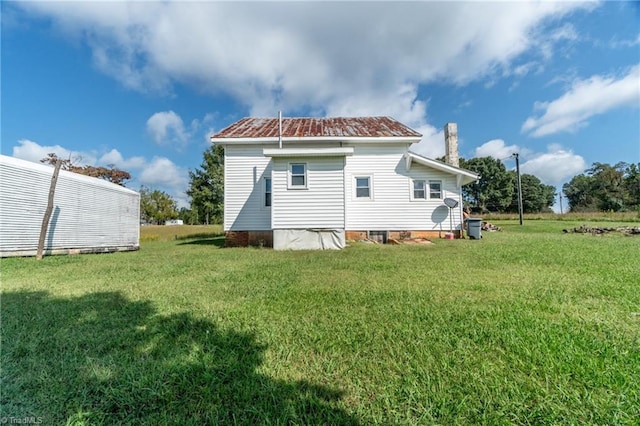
(267, 192)
(435, 189)
(298, 175)
(363, 187)
(419, 190)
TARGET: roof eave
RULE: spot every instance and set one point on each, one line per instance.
(307, 139)
(465, 176)
(307, 152)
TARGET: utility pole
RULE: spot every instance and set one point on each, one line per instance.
(517, 157)
(560, 198)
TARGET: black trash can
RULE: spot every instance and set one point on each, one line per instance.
(474, 228)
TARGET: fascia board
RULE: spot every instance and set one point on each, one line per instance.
(350, 139)
(307, 152)
(467, 176)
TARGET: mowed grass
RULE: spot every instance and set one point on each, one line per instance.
(526, 326)
(603, 217)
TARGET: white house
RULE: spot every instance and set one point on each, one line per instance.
(89, 215)
(309, 183)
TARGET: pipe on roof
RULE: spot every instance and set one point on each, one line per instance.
(280, 129)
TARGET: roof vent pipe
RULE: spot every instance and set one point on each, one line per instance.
(280, 129)
(451, 144)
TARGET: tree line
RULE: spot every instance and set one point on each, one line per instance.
(602, 187)
(496, 190)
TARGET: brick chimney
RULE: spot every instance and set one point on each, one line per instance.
(451, 144)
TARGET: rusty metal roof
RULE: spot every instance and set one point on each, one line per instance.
(306, 127)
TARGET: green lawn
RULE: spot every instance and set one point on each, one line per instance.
(526, 326)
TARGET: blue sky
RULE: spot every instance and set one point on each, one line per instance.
(141, 85)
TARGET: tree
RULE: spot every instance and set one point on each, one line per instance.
(605, 187)
(580, 193)
(494, 191)
(206, 187)
(536, 196)
(632, 185)
(156, 206)
(609, 185)
(188, 216)
(109, 173)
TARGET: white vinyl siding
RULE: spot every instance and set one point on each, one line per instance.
(321, 205)
(330, 200)
(363, 187)
(393, 208)
(244, 200)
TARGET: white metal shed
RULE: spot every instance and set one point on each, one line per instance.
(89, 215)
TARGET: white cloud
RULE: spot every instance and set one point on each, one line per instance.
(566, 32)
(617, 44)
(586, 98)
(163, 174)
(115, 157)
(552, 167)
(167, 128)
(205, 123)
(401, 104)
(32, 151)
(159, 173)
(162, 171)
(432, 143)
(325, 57)
(555, 166)
(496, 148)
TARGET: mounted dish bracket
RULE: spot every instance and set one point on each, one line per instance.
(451, 203)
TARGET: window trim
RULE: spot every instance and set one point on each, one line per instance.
(439, 182)
(290, 176)
(355, 187)
(265, 193)
(413, 190)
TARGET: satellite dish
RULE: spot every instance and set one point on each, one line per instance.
(451, 203)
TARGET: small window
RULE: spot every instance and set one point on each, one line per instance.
(299, 175)
(419, 190)
(267, 192)
(363, 187)
(435, 189)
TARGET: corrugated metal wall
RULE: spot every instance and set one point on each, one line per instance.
(89, 214)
